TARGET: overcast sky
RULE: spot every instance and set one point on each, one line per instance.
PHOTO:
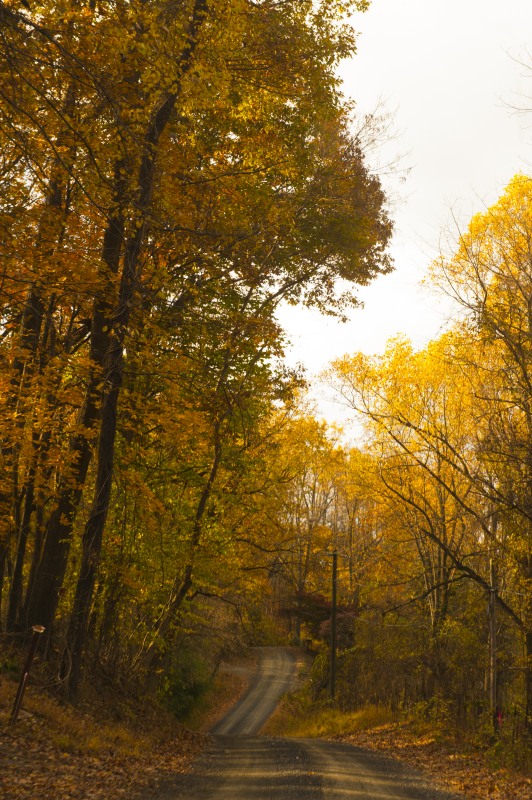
(449, 71)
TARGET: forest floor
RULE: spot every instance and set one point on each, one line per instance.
(88, 753)
(108, 748)
(448, 764)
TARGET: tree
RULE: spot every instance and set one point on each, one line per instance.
(428, 422)
(161, 158)
(490, 276)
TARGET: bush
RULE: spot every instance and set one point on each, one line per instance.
(184, 683)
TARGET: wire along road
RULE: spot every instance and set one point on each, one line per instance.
(240, 765)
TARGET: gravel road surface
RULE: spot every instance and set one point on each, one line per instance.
(239, 765)
(275, 676)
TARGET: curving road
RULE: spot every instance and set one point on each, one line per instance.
(239, 765)
(274, 676)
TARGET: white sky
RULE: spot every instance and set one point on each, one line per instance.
(448, 70)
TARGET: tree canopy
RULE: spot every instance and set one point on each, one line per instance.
(170, 173)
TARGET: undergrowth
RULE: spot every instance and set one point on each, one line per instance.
(84, 730)
(301, 717)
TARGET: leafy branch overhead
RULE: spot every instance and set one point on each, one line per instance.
(171, 172)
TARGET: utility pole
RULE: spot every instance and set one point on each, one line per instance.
(493, 645)
(333, 623)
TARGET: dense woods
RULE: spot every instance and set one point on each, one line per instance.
(170, 173)
(448, 430)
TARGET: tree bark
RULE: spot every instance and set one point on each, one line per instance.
(43, 593)
(131, 273)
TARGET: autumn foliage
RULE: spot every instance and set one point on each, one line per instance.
(448, 430)
(170, 173)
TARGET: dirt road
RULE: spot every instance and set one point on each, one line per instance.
(239, 765)
(274, 677)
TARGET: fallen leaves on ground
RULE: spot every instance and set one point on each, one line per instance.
(32, 765)
(462, 773)
(58, 752)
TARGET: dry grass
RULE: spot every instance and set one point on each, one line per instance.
(58, 751)
(323, 721)
(448, 763)
(72, 730)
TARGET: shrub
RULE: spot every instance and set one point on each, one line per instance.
(184, 683)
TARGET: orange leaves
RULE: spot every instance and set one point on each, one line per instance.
(174, 171)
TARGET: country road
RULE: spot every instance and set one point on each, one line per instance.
(240, 765)
(274, 677)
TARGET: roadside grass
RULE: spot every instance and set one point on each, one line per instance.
(107, 720)
(299, 717)
(221, 694)
(474, 766)
(85, 730)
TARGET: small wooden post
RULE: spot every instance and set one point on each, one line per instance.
(37, 631)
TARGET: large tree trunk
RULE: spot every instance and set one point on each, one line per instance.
(94, 529)
(43, 593)
(91, 548)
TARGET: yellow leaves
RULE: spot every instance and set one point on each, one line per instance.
(242, 151)
(492, 257)
(131, 583)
